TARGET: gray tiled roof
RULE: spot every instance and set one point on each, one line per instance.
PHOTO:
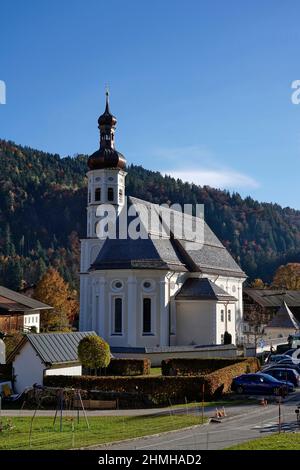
(203, 289)
(57, 348)
(168, 253)
(274, 298)
(284, 319)
(16, 301)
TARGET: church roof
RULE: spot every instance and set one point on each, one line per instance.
(203, 289)
(284, 319)
(181, 254)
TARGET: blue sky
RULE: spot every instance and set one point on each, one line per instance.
(201, 88)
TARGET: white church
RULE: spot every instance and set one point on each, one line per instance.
(151, 292)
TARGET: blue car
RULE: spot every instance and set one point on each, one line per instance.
(260, 384)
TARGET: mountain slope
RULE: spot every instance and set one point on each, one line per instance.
(42, 214)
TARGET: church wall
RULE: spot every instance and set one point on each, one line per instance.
(196, 322)
(98, 315)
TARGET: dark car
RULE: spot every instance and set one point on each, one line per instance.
(259, 383)
(285, 365)
(285, 375)
(275, 358)
(290, 352)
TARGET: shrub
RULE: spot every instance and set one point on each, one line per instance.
(128, 367)
(159, 390)
(192, 366)
(94, 352)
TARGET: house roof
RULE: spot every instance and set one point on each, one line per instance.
(274, 298)
(53, 348)
(203, 289)
(11, 301)
(284, 319)
(181, 253)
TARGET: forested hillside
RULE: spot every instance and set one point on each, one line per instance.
(42, 216)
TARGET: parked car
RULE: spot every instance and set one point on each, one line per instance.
(286, 365)
(259, 383)
(285, 375)
(290, 352)
(275, 358)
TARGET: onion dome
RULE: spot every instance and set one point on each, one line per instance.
(107, 156)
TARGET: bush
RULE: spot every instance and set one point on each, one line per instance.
(191, 366)
(159, 390)
(128, 367)
(94, 352)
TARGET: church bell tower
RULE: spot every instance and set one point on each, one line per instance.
(106, 175)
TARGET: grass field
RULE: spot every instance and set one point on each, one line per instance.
(283, 441)
(102, 430)
(155, 371)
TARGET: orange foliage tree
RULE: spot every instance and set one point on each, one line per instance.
(54, 291)
(287, 277)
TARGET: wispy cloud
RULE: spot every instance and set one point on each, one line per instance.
(222, 178)
(199, 165)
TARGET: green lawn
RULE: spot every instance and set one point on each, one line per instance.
(103, 429)
(155, 371)
(283, 441)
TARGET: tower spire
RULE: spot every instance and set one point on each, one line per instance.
(107, 110)
(107, 156)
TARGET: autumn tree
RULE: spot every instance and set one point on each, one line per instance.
(54, 291)
(287, 277)
(258, 284)
(94, 352)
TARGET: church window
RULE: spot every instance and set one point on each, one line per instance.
(148, 285)
(110, 194)
(118, 315)
(117, 285)
(146, 315)
(222, 315)
(98, 194)
(229, 315)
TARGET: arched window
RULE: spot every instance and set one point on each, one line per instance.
(118, 315)
(98, 194)
(110, 194)
(146, 315)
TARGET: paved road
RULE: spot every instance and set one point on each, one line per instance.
(254, 421)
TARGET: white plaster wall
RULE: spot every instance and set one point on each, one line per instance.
(28, 368)
(32, 319)
(72, 370)
(221, 326)
(195, 322)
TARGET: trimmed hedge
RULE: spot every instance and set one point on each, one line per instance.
(196, 366)
(159, 390)
(219, 381)
(128, 367)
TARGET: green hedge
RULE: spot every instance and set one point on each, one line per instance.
(159, 390)
(192, 366)
(128, 367)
